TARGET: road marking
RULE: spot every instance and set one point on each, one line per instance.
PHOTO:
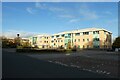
(67, 54)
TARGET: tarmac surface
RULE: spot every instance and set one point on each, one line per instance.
(15, 65)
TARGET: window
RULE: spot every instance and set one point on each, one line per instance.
(78, 40)
(63, 35)
(105, 32)
(47, 37)
(87, 39)
(44, 41)
(95, 32)
(52, 36)
(87, 46)
(83, 40)
(75, 40)
(96, 39)
(52, 41)
(47, 41)
(83, 46)
(58, 40)
(77, 34)
(57, 35)
(85, 33)
(61, 40)
(69, 34)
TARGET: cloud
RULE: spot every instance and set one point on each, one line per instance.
(66, 16)
(55, 9)
(87, 14)
(45, 6)
(13, 33)
(31, 10)
(74, 20)
(108, 12)
(40, 6)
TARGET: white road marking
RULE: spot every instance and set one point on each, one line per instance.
(67, 54)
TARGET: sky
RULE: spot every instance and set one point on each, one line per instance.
(30, 18)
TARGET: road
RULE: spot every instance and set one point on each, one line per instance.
(21, 66)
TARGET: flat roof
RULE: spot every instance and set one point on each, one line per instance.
(83, 30)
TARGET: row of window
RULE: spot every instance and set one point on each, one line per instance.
(75, 40)
(84, 46)
(44, 41)
(77, 34)
(79, 40)
(77, 46)
(57, 41)
(45, 37)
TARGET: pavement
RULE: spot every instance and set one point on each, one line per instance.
(15, 65)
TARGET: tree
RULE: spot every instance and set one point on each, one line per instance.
(116, 43)
(4, 42)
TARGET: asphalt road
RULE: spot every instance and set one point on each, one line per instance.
(20, 66)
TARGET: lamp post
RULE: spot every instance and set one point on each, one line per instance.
(18, 40)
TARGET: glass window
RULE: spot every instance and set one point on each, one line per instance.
(78, 40)
(75, 40)
(57, 35)
(83, 40)
(77, 34)
(63, 35)
(85, 33)
(52, 41)
(87, 46)
(69, 34)
(52, 36)
(87, 39)
(95, 32)
(104, 32)
(96, 39)
(83, 46)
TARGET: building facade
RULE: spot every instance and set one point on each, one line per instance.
(83, 38)
(40, 41)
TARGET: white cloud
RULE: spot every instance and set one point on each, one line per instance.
(87, 13)
(55, 9)
(108, 12)
(74, 20)
(13, 33)
(45, 6)
(40, 6)
(31, 10)
(66, 16)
